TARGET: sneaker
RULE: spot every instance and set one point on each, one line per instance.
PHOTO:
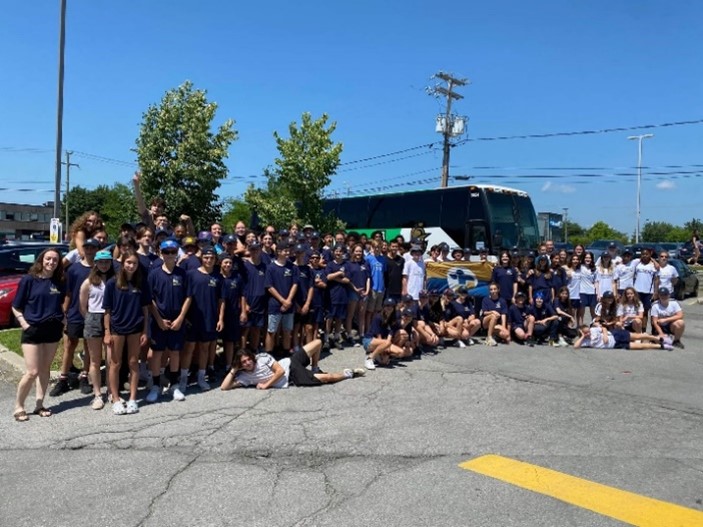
(348, 373)
(369, 365)
(153, 394)
(562, 342)
(60, 387)
(553, 343)
(461, 344)
(109, 400)
(203, 385)
(84, 385)
(530, 342)
(678, 344)
(97, 403)
(358, 372)
(132, 407)
(164, 380)
(340, 344)
(667, 347)
(177, 394)
(490, 341)
(326, 347)
(118, 408)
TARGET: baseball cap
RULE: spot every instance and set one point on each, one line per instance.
(664, 291)
(612, 245)
(169, 244)
(406, 298)
(282, 245)
(407, 312)
(92, 242)
(254, 245)
(308, 227)
(204, 236)
(415, 248)
(299, 248)
(315, 254)
(103, 255)
(283, 232)
(423, 294)
(230, 238)
(520, 294)
(189, 240)
(208, 250)
(389, 302)
(609, 294)
(161, 231)
(315, 235)
(126, 226)
(224, 256)
(449, 291)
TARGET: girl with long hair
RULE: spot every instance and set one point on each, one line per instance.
(630, 311)
(38, 309)
(587, 287)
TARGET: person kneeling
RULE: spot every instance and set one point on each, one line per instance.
(264, 372)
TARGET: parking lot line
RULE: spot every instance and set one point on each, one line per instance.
(619, 504)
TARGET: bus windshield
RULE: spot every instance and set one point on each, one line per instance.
(512, 217)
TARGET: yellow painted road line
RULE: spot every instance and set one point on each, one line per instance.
(625, 506)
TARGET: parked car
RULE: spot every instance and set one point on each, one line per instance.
(672, 247)
(17, 259)
(567, 246)
(637, 249)
(686, 253)
(688, 280)
(598, 247)
(8, 290)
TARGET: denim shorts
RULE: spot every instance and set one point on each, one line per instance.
(279, 319)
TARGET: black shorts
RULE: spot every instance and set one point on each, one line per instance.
(306, 319)
(167, 340)
(46, 332)
(74, 330)
(622, 339)
(299, 373)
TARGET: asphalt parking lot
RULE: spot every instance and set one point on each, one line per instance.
(384, 449)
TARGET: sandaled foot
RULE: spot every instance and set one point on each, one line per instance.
(42, 412)
(20, 416)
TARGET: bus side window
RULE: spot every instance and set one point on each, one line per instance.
(477, 236)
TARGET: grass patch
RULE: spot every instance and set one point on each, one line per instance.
(10, 338)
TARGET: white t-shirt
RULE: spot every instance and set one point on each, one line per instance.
(624, 275)
(596, 340)
(415, 271)
(659, 311)
(644, 276)
(666, 274)
(263, 371)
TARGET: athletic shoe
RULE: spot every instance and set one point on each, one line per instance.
(667, 339)
(490, 341)
(132, 407)
(348, 373)
(678, 344)
(530, 342)
(84, 385)
(667, 347)
(164, 380)
(60, 387)
(369, 365)
(177, 394)
(358, 372)
(553, 343)
(340, 344)
(118, 408)
(153, 394)
(460, 343)
(203, 385)
(562, 342)
(98, 403)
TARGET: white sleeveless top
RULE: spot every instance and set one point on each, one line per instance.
(95, 298)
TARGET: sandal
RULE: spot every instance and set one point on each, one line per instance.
(21, 416)
(42, 412)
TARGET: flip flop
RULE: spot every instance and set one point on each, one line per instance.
(42, 412)
(21, 416)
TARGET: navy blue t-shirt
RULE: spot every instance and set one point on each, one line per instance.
(318, 296)
(305, 277)
(39, 299)
(540, 283)
(206, 291)
(75, 276)
(254, 290)
(517, 315)
(190, 263)
(358, 274)
(282, 278)
(337, 291)
(462, 309)
(505, 277)
(543, 312)
(169, 291)
(232, 291)
(499, 305)
(377, 328)
(147, 262)
(125, 306)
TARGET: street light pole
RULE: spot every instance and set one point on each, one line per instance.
(639, 139)
(566, 227)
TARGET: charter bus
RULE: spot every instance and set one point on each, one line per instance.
(471, 217)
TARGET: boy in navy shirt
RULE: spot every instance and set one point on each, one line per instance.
(281, 283)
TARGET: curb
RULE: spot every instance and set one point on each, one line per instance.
(16, 363)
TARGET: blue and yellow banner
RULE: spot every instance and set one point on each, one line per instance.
(474, 276)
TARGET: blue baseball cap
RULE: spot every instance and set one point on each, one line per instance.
(169, 244)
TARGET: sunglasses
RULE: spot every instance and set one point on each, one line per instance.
(170, 252)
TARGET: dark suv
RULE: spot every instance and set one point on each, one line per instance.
(17, 259)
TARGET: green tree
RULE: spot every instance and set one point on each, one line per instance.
(180, 157)
(695, 225)
(116, 205)
(307, 159)
(602, 231)
(234, 210)
(661, 231)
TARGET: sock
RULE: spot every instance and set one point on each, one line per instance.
(173, 377)
(348, 374)
(157, 380)
(184, 374)
(162, 371)
(201, 375)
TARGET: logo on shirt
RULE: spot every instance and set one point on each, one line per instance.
(212, 282)
(53, 290)
(176, 282)
(287, 272)
(261, 273)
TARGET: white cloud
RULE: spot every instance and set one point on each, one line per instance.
(666, 185)
(560, 189)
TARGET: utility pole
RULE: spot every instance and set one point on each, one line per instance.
(566, 225)
(59, 111)
(639, 139)
(448, 125)
(68, 181)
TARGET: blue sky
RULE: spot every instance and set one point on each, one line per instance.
(535, 67)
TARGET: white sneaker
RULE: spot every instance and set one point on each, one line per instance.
(358, 372)
(490, 341)
(461, 343)
(203, 385)
(668, 339)
(348, 373)
(118, 408)
(177, 394)
(132, 407)
(153, 394)
(563, 342)
(369, 365)
(98, 403)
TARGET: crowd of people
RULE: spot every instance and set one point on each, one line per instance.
(157, 302)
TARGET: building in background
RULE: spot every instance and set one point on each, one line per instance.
(25, 222)
(551, 226)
